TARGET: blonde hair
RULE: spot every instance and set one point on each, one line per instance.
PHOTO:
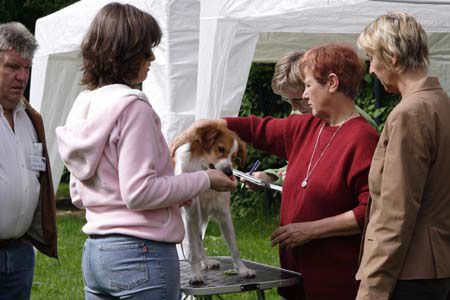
(398, 37)
(287, 74)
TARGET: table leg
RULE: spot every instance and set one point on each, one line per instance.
(260, 294)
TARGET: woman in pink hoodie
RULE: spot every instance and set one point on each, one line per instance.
(121, 170)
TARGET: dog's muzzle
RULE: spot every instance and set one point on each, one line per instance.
(226, 170)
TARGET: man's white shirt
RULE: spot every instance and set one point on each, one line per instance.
(19, 177)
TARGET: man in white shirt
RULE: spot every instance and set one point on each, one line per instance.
(27, 207)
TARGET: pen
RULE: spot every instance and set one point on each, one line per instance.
(255, 165)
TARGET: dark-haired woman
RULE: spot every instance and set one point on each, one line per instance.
(325, 191)
(121, 171)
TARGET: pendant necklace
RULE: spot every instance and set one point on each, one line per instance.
(304, 183)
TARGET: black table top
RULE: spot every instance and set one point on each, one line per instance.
(216, 282)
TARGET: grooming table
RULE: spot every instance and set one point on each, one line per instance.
(216, 282)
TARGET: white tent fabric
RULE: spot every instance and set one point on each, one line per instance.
(229, 33)
(203, 61)
(171, 82)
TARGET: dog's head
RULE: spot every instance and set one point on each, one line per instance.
(218, 147)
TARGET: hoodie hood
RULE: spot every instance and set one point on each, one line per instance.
(93, 115)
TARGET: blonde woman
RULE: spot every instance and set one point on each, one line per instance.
(407, 239)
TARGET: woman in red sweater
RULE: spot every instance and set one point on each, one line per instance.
(325, 191)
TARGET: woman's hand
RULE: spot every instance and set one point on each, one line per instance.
(295, 234)
(260, 175)
(292, 235)
(282, 174)
(221, 182)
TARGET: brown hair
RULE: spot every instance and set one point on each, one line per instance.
(120, 38)
(287, 74)
(339, 59)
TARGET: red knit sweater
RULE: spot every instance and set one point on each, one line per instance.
(337, 184)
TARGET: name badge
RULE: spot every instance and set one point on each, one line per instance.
(37, 163)
(37, 148)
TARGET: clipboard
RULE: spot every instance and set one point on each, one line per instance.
(257, 181)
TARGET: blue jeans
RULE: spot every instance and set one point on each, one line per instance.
(16, 271)
(124, 267)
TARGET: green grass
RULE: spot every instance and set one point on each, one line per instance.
(63, 280)
(253, 243)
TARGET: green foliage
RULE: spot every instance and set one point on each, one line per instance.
(366, 101)
(259, 100)
(65, 177)
(63, 191)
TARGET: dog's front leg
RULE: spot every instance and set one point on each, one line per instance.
(193, 225)
(226, 225)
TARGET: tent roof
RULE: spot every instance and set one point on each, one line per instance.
(235, 32)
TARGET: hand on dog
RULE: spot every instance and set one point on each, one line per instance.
(221, 182)
(293, 234)
(187, 134)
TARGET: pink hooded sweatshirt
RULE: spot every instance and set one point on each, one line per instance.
(121, 169)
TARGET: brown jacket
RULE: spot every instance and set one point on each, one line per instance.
(408, 232)
(42, 233)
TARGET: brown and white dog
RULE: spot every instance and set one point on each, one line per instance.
(213, 147)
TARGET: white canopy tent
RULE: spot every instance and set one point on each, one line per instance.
(235, 32)
(203, 61)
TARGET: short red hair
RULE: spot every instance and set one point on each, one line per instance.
(341, 60)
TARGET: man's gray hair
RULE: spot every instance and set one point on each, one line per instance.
(15, 36)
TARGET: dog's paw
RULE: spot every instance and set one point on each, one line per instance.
(208, 263)
(196, 279)
(246, 272)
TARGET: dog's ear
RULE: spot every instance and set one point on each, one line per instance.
(242, 152)
(207, 136)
